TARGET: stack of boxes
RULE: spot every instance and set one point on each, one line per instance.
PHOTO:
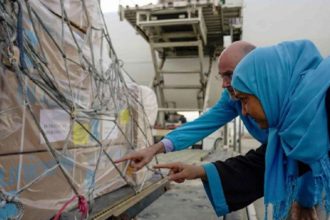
(84, 113)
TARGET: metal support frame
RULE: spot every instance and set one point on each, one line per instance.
(182, 29)
(225, 135)
(235, 135)
(240, 136)
(159, 84)
(160, 41)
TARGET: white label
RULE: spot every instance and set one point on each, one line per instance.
(55, 123)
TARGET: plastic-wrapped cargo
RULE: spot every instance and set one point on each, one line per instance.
(67, 109)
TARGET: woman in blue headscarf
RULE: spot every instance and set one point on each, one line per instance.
(283, 89)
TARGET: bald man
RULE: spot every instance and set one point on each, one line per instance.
(242, 177)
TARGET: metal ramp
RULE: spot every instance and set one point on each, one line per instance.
(183, 29)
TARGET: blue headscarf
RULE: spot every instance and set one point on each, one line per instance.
(290, 80)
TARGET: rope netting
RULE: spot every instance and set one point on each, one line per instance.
(67, 109)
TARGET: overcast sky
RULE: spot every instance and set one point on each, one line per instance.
(112, 5)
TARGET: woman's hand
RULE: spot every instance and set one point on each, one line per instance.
(180, 172)
(142, 157)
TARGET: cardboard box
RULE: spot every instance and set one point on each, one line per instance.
(24, 155)
(19, 130)
(76, 12)
(50, 192)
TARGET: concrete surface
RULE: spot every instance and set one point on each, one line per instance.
(185, 201)
(188, 201)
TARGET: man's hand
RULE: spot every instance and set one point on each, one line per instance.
(142, 157)
(301, 213)
(180, 172)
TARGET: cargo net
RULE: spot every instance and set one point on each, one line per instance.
(67, 110)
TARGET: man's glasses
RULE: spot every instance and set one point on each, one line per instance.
(223, 77)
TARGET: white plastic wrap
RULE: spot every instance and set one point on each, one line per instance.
(65, 120)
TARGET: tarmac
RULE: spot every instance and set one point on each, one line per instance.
(188, 200)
